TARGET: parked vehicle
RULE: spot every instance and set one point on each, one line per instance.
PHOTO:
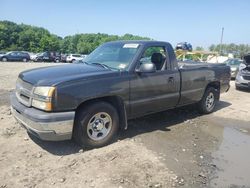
(184, 46)
(74, 57)
(243, 77)
(16, 56)
(64, 58)
(2, 53)
(91, 100)
(48, 57)
(33, 56)
(234, 66)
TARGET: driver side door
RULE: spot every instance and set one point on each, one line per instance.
(157, 91)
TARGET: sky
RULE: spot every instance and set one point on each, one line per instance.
(197, 22)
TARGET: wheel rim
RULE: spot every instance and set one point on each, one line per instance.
(24, 60)
(4, 59)
(210, 101)
(99, 126)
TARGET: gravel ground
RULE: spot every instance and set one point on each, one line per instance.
(177, 148)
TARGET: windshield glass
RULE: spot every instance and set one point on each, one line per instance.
(113, 55)
(234, 62)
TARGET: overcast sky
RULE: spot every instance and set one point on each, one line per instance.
(197, 22)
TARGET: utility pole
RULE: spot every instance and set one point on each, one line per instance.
(221, 39)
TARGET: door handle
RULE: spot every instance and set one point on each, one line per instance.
(171, 79)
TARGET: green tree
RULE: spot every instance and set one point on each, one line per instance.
(199, 48)
(36, 39)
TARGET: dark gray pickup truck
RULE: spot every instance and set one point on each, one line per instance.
(90, 100)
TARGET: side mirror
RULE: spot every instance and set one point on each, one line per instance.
(146, 68)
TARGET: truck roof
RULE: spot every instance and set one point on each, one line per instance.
(142, 42)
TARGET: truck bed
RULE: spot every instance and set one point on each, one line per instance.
(194, 64)
(194, 75)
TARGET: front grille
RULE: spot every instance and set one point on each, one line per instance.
(24, 92)
(246, 77)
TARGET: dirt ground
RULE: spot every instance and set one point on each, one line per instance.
(176, 148)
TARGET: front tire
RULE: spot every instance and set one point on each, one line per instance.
(208, 101)
(96, 125)
(4, 59)
(25, 60)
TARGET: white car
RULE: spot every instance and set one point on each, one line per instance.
(74, 57)
(33, 56)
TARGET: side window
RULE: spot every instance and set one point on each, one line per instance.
(46, 54)
(156, 55)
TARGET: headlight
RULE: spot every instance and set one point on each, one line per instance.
(47, 106)
(42, 98)
(44, 91)
(233, 69)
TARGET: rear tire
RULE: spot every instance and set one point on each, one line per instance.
(208, 101)
(96, 125)
(24, 60)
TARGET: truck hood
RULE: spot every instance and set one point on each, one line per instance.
(53, 75)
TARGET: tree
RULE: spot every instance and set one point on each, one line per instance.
(237, 49)
(36, 39)
(199, 48)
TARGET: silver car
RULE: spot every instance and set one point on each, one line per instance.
(234, 66)
(243, 77)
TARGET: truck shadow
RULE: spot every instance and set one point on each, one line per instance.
(164, 120)
(159, 121)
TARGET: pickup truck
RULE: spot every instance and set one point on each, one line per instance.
(91, 100)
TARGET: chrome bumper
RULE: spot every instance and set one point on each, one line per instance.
(46, 126)
(241, 82)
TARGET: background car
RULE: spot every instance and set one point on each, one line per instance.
(16, 56)
(48, 57)
(243, 77)
(64, 58)
(234, 66)
(74, 57)
(33, 56)
(184, 46)
(2, 53)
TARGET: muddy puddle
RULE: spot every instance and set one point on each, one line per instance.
(232, 160)
(232, 154)
(206, 151)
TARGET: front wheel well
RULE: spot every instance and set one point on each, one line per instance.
(115, 101)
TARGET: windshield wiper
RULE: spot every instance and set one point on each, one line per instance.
(104, 66)
(81, 61)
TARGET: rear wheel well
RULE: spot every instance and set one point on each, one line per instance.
(216, 86)
(115, 101)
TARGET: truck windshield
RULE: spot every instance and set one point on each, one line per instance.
(113, 55)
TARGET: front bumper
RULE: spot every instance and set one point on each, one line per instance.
(233, 74)
(54, 126)
(241, 82)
